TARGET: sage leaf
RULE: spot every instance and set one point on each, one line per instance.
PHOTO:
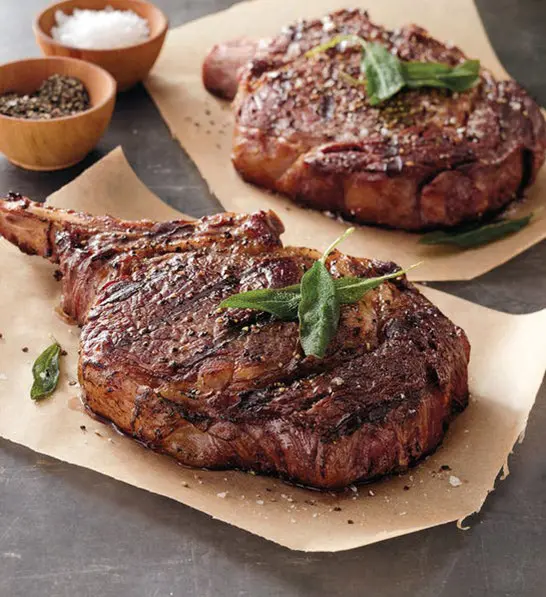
(283, 303)
(352, 80)
(351, 290)
(475, 236)
(386, 75)
(315, 301)
(383, 73)
(332, 43)
(336, 243)
(318, 311)
(46, 372)
(434, 74)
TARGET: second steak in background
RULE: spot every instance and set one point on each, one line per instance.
(423, 159)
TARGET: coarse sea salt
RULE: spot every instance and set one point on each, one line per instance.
(455, 481)
(100, 29)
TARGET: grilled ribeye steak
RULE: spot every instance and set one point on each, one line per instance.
(425, 158)
(231, 388)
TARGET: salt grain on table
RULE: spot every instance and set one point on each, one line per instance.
(100, 29)
(455, 481)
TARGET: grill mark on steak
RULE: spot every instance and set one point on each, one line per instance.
(232, 389)
(426, 158)
(225, 285)
(255, 401)
(127, 291)
(228, 282)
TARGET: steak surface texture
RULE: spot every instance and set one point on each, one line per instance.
(231, 388)
(426, 158)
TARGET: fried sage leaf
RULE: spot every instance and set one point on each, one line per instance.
(476, 236)
(333, 42)
(386, 75)
(337, 242)
(315, 301)
(383, 73)
(283, 303)
(318, 311)
(46, 372)
(351, 290)
(435, 74)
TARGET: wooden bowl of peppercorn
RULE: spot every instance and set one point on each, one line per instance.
(67, 108)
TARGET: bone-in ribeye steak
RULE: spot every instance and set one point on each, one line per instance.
(425, 158)
(231, 388)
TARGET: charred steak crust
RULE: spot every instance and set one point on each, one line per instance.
(426, 158)
(231, 388)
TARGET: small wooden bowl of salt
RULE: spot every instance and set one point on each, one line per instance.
(122, 36)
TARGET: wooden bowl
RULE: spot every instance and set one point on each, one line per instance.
(127, 65)
(59, 142)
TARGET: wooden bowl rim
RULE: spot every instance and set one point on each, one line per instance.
(40, 32)
(103, 73)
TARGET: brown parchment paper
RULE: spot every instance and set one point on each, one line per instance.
(508, 361)
(203, 125)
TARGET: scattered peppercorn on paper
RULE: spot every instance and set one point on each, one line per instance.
(506, 369)
(204, 124)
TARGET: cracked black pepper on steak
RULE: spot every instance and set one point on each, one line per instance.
(57, 96)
